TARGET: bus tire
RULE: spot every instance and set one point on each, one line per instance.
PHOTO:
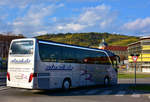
(106, 81)
(66, 84)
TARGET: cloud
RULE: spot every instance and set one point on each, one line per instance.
(5, 27)
(33, 21)
(15, 3)
(84, 0)
(138, 25)
(23, 3)
(39, 18)
(71, 27)
(95, 15)
(90, 1)
(99, 17)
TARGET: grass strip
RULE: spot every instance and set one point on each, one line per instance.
(131, 75)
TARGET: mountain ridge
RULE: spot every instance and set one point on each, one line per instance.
(91, 39)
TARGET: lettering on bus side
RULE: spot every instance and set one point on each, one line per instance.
(59, 67)
(20, 61)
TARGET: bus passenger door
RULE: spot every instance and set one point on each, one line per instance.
(83, 74)
(90, 75)
(100, 73)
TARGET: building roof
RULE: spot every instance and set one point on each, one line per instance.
(135, 43)
(138, 42)
(116, 48)
(145, 38)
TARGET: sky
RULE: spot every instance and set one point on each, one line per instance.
(38, 17)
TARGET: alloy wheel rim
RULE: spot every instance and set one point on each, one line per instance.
(66, 85)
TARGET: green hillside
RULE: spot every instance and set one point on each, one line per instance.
(90, 39)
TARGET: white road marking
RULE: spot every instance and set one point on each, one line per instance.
(135, 95)
(3, 88)
(121, 93)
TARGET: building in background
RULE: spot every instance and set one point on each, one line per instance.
(103, 44)
(5, 41)
(141, 47)
(121, 51)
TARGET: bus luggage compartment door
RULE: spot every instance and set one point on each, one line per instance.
(43, 80)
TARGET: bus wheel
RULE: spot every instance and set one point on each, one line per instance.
(66, 85)
(106, 81)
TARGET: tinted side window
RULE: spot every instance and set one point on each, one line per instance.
(53, 53)
(98, 57)
(69, 55)
(93, 57)
(105, 60)
(50, 53)
(89, 57)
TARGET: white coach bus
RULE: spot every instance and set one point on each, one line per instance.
(38, 64)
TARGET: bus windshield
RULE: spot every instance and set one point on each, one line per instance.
(22, 47)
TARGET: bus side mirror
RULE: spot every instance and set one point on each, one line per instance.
(10, 51)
